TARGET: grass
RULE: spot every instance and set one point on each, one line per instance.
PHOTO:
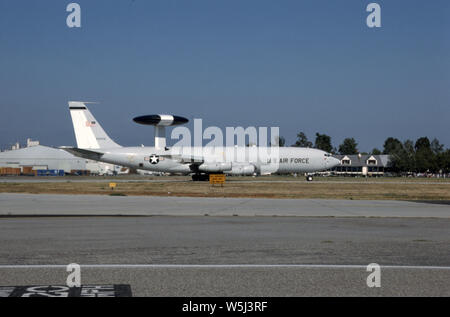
(284, 178)
(118, 194)
(326, 188)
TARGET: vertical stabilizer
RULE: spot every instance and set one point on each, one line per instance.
(88, 132)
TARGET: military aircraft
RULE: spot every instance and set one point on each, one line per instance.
(93, 143)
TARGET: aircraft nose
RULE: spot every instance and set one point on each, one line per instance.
(335, 162)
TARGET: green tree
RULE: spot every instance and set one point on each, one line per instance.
(392, 146)
(422, 143)
(398, 158)
(323, 142)
(375, 151)
(302, 141)
(348, 147)
(424, 158)
(443, 160)
(441, 157)
(280, 141)
(436, 146)
(410, 156)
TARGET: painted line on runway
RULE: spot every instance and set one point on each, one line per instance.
(120, 290)
(213, 266)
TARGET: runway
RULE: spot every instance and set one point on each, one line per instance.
(167, 246)
(247, 282)
(92, 205)
(269, 256)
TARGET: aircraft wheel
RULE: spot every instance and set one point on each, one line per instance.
(309, 178)
(200, 177)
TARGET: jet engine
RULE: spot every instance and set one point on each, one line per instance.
(215, 167)
(242, 169)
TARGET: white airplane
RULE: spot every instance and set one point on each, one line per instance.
(94, 144)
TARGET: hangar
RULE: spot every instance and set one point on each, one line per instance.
(38, 157)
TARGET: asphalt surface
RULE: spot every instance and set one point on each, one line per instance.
(168, 246)
(236, 282)
(416, 249)
(224, 240)
(91, 205)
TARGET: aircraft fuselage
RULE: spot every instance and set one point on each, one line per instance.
(286, 160)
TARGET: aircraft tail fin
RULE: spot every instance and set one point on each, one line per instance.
(88, 132)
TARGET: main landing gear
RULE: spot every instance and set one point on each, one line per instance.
(200, 177)
(309, 178)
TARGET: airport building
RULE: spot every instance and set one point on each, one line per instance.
(40, 158)
(362, 165)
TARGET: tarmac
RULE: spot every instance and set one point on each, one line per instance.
(170, 246)
(96, 205)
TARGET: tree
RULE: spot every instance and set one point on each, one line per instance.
(348, 147)
(424, 158)
(408, 145)
(302, 141)
(392, 146)
(375, 151)
(439, 158)
(422, 143)
(323, 142)
(398, 159)
(436, 147)
(280, 141)
(410, 156)
(443, 161)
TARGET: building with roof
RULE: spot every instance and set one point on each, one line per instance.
(359, 164)
(38, 157)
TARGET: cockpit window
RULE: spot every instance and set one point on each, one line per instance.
(327, 154)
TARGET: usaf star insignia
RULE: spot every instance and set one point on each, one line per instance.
(154, 159)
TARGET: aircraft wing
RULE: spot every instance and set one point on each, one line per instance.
(185, 158)
(87, 154)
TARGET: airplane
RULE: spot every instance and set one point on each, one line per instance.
(93, 143)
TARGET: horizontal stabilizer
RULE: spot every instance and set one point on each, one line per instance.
(87, 154)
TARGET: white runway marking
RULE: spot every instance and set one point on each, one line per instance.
(214, 266)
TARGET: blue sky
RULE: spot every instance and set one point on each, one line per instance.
(311, 66)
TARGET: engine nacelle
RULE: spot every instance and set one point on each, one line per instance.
(266, 169)
(243, 170)
(215, 167)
